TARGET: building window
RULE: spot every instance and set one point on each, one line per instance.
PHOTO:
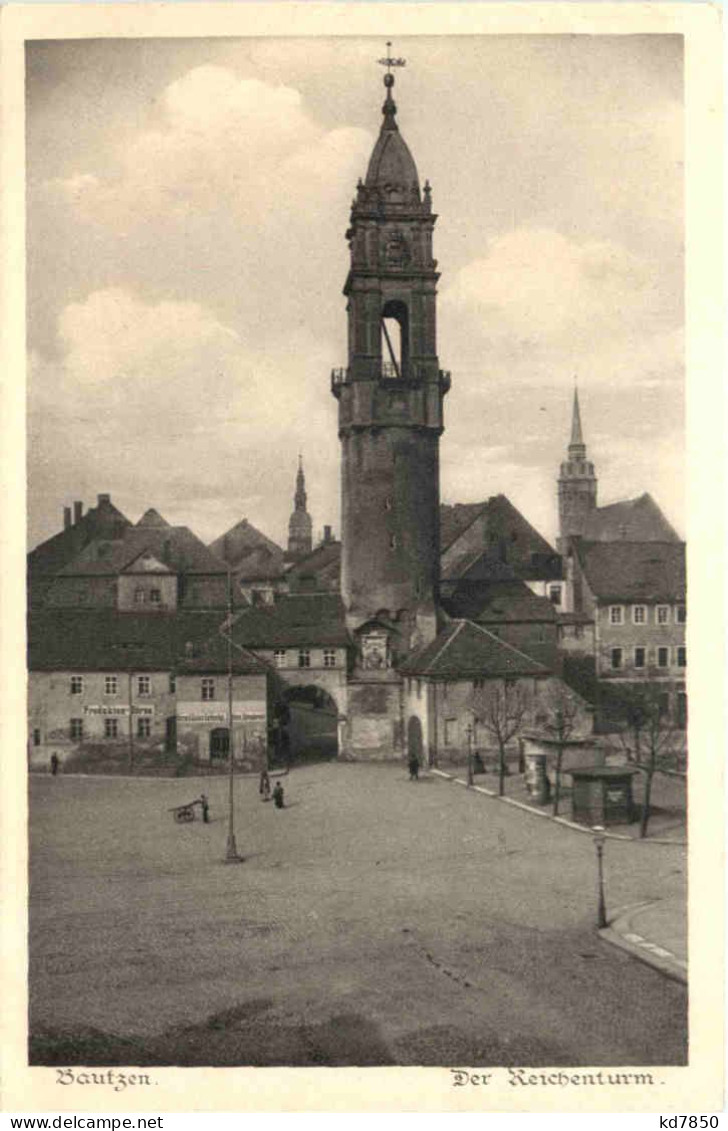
(639, 657)
(681, 656)
(555, 594)
(304, 658)
(450, 731)
(140, 596)
(155, 596)
(76, 729)
(36, 737)
(111, 685)
(111, 728)
(76, 685)
(639, 614)
(144, 685)
(680, 615)
(616, 614)
(144, 726)
(279, 657)
(663, 657)
(662, 614)
(616, 658)
(329, 657)
(208, 688)
(172, 683)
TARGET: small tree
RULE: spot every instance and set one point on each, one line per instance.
(560, 721)
(648, 735)
(501, 709)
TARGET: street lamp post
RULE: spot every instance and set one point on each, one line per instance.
(469, 736)
(599, 841)
(231, 852)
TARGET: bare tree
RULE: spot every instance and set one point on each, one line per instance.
(500, 708)
(648, 734)
(560, 721)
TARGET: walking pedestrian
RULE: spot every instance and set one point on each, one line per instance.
(55, 763)
(205, 809)
(278, 796)
(414, 767)
(264, 788)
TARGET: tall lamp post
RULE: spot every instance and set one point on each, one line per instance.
(599, 841)
(231, 852)
(469, 736)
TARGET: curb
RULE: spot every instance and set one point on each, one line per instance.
(619, 933)
(550, 817)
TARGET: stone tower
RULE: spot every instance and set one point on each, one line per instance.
(299, 524)
(390, 407)
(577, 485)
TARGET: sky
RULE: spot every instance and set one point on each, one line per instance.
(187, 203)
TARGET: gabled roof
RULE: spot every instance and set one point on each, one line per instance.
(323, 565)
(108, 640)
(626, 571)
(497, 602)
(240, 541)
(465, 650)
(631, 520)
(261, 564)
(152, 517)
(102, 521)
(296, 620)
(176, 546)
(212, 656)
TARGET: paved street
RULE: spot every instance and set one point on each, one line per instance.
(374, 921)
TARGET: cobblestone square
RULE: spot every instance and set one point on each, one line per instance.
(374, 921)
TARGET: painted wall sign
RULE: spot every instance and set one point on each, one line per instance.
(117, 710)
(199, 712)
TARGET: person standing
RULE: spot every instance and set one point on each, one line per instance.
(278, 796)
(205, 809)
(55, 763)
(414, 767)
(264, 788)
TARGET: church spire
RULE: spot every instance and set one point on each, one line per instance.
(300, 541)
(577, 447)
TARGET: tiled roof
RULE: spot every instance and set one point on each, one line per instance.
(315, 619)
(494, 602)
(323, 565)
(240, 541)
(467, 650)
(455, 520)
(632, 520)
(175, 546)
(102, 521)
(108, 640)
(261, 564)
(152, 517)
(648, 571)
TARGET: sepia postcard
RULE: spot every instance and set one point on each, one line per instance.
(363, 588)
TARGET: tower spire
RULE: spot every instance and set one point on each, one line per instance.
(577, 439)
(389, 109)
(577, 484)
(300, 540)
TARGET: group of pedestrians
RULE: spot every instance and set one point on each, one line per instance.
(265, 790)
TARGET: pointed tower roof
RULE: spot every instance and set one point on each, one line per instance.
(152, 517)
(391, 164)
(577, 447)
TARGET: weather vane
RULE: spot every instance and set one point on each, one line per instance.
(390, 61)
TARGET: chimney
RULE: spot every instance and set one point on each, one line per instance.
(77, 512)
(104, 499)
(66, 517)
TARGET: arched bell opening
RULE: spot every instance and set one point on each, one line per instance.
(395, 339)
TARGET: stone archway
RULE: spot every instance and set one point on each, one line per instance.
(414, 738)
(309, 730)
